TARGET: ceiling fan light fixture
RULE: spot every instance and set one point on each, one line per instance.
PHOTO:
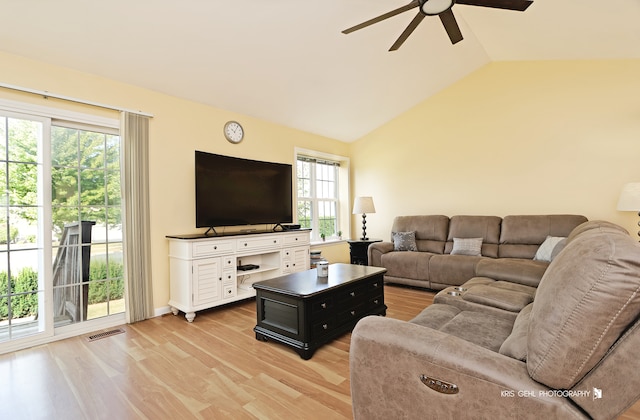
(435, 7)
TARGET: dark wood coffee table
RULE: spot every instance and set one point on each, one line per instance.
(305, 311)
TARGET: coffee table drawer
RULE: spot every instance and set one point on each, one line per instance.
(323, 327)
(376, 300)
(352, 314)
(351, 293)
(320, 306)
(375, 284)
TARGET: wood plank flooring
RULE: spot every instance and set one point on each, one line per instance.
(166, 368)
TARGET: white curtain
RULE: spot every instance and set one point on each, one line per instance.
(139, 294)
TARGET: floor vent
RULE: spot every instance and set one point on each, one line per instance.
(105, 334)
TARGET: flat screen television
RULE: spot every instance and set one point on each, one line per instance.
(232, 191)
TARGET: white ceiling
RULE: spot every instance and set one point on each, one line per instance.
(286, 61)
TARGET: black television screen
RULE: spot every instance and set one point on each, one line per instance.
(232, 191)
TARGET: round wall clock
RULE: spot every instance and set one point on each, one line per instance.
(233, 131)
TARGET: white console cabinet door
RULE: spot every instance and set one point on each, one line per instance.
(295, 259)
(207, 281)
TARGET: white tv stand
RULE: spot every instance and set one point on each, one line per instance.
(204, 273)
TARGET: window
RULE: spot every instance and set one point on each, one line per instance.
(321, 185)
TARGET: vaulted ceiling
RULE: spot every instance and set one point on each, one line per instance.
(286, 61)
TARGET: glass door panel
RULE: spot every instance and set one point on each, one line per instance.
(22, 282)
(86, 200)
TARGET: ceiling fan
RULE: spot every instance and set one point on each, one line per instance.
(441, 8)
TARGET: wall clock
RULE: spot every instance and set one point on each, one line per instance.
(233, 132)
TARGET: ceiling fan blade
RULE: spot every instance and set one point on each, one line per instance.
(451, 25)
(405, 34)
(414, 3)
(518, 5)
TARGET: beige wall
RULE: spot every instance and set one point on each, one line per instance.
(178, 128)
(511, 138)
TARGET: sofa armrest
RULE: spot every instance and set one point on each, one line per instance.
(376, 250)
(387, 357)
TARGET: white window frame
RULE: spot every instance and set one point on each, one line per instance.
(342, 216)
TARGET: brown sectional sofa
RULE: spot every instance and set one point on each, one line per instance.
(508, 344)
(508, 243)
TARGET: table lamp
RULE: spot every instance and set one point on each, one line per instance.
(364, 205)
(630, 198)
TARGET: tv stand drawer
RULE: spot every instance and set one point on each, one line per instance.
(208, 248)
(250, 244)
(297, 239)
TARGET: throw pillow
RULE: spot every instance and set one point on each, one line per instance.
(467, 246)
(559, 247)
(546, 249)
(404, 241)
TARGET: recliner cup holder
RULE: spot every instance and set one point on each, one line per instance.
(454, 293)
(460, 289)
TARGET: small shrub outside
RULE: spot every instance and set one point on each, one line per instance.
(24, 305)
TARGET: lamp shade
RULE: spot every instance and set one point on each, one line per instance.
(363, 205)
(630, 197)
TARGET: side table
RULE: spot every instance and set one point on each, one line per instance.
(358, 249)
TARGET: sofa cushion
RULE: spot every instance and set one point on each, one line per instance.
(451, 270)
(410, 265)
(467, 246)
(545, 251)
(484, 329)
(516, 344)
(430, 230)
(588, 296)
(404, 241)
(500, 295)
(516, 270)
(521, 235)
(485, 227)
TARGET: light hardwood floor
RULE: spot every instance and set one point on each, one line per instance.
(166, 368)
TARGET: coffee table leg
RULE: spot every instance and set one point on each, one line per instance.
(305, 353)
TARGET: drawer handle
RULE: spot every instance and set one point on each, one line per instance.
(245, 244)
(215, 247)
(352, 294)
(375, 301)
(325, 326)
(353, 313)
(323, 305)
(375, 284)
(274, 241)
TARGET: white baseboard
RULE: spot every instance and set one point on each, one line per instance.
(161, 311)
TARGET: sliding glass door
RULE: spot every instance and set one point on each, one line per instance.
(61, 260)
